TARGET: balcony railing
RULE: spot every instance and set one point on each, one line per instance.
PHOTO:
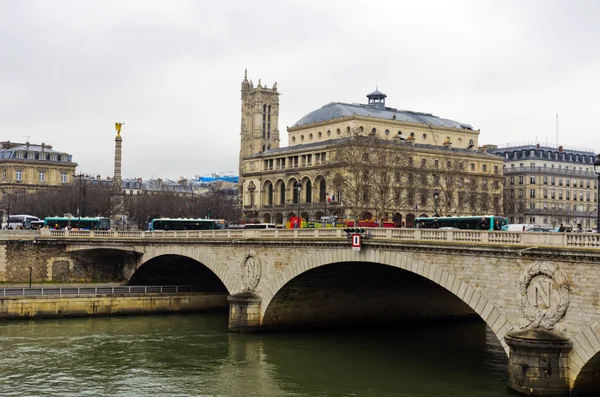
(548, 170)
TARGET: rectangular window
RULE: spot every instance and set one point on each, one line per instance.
(472, 166)
(484, 168)
(512, 194)
(567, 182)
(553, 181)
(560, 195)
(436, 163)
(495, 169)
(581, 183)
(41, 176)
(568, 195)
(19, 175)
(559, 181)
(587, 184)
(532, 179)
(545, 180)
(520, 193)
(512, 180)
(63, 177)
(553, 195)
(532, 206)
(545, 193)
(531, 193)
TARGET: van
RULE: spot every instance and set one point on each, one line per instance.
(518, 227)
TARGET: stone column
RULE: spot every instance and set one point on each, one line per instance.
(118, 143)
(538, 363)
(244, 312)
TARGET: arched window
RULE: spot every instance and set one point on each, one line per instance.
(322, 191)
(308, 190)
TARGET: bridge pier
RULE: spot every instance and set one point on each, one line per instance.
(538, 363)
(244, 312)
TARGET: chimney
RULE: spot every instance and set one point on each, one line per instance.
(560, 149)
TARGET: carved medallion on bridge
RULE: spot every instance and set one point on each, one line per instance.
(544, 295)
(251, 271)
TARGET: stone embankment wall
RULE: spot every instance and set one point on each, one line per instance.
(50, 261)
(97, 305)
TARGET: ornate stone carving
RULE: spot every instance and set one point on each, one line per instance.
(251, 271)
(544, 295)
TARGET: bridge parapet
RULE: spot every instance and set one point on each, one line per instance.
(574, 240)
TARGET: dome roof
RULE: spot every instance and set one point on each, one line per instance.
(376, 94)
(337, 110)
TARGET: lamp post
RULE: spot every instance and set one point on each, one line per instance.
(436, 197)
(82, 191)
(30, 273)
(298, 187)
(597, 169)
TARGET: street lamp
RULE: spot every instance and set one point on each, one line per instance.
(298, 187)
(30, 272)
(436, 197)
(597, 169)
(81, 208)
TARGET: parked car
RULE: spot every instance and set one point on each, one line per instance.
(518, 227)
(541, 229)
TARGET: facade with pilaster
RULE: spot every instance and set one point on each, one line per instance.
(549, 185)
(269, 174)
(26, 168)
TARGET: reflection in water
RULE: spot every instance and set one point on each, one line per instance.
(194, 355)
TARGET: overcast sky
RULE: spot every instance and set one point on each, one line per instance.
(171, 70)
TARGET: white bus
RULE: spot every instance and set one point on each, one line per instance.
(24, 221)
(259, 226)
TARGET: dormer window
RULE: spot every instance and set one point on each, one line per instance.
(19, 155)
(53, 157)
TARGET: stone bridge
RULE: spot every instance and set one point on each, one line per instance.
(537, 292)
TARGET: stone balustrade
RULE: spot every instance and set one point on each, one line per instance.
(578, 240)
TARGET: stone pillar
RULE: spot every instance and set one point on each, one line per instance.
(118, 143)
(538, 363)
(244, 312)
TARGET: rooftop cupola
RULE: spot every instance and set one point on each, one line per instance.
(377, 99)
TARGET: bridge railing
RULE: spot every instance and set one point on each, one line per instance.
(118, 290)
(582, 240)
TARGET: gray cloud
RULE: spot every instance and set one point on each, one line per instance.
(172, 70)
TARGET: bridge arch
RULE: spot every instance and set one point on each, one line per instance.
(584, 360)
(472, 297)
(191, 253)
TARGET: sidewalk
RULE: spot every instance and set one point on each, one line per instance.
(59, 285)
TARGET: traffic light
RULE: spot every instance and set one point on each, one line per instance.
(208, 213)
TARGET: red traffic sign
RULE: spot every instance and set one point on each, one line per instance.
(356, 241)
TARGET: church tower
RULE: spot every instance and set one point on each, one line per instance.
(260, 118)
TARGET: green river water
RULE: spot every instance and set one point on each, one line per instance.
(195, 355)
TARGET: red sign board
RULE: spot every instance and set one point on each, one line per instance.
(356, 242)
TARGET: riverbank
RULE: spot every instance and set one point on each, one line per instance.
(25, 307)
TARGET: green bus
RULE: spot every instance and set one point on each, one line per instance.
(83, 223)
(185, 224)
(477, 222)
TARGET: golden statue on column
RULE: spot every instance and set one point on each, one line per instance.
(118, 127)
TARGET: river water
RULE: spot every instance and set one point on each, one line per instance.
(195, 355)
